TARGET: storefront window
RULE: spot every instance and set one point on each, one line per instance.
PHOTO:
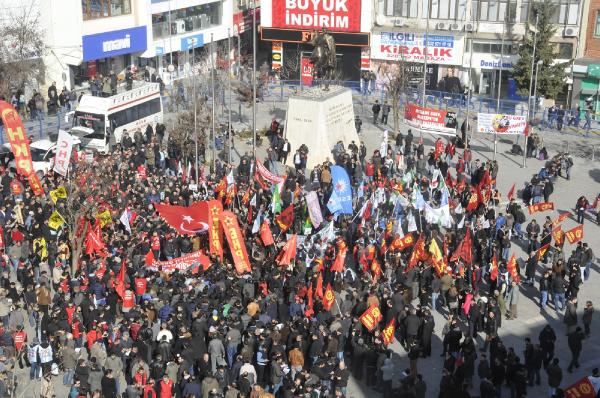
(94, 9)
(401, 8)
(187, 20)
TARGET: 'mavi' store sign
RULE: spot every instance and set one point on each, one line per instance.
(111, 44)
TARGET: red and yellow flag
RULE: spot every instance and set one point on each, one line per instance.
(494, 268)
(329, 298)
(338, 264)
(575, 235)
(417, 254)
(388, 332)
(215, 232)
(371, 317)
(559, 236)
(561, 217)
(542, 251)
(237, 246)
(286, 218)
(265, 234)
(511, 267)
(540, 207)
(401, 243)
(288, 252)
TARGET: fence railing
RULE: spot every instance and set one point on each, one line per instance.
(40, 127)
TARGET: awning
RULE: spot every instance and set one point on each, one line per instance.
(589, 91)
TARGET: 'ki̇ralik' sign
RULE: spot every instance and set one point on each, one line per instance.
(410, 47)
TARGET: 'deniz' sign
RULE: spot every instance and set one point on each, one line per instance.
(335, 15)
(410, 47)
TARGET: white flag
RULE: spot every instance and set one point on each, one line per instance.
(461, 223)
(125, 220)
(64, 147)
(257, 223)
(230, 179)
(412, 223)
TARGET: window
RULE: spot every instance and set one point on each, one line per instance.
(494, 47)
(90, 120)
(565, 50)
(401, 8)
(565, 11)
(448, 9)
(597, 25)
(137, 112)
(94, 9)
(497, 11)
(187, 20)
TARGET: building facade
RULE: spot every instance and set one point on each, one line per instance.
(586, 70)
(100, 36)
(481, 36)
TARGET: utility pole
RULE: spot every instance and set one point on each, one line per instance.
(425, 51)
(537, 18)
(212, 83)
(254, 79)
(229, 129)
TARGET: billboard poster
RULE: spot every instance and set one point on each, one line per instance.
(335, 15)
(493, 123)
(307, 68)
(436, 121)
(277, 55)
(410, 47)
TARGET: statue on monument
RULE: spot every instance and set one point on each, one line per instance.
(323, 56)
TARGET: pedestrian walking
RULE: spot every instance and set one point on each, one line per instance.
(376, 108)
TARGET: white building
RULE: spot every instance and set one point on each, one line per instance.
(90, 37)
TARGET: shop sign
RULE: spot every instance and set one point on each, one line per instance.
(305, 36)
(191, 42)
(410, 47)
(242, 21)
(335, 15)
(277, 56)
(114, 43)
(306, 71)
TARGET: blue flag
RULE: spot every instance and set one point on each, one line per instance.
(333, 204)
(342, 188)
(361, 190)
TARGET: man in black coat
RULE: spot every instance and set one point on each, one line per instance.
(575, 345)
(109, 385)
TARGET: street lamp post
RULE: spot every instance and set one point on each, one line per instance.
(425, 49)
(229, 135)
(537, 18)
(537, 68)
(212, 83)
(254, 79)
(500, 81)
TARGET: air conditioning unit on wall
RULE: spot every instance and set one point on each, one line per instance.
(455, 26)
(441, 26)
(571, 32)
(470, 27)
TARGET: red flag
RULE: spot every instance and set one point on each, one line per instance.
(474, 200)
(581, 389)
(338, 264)
(542, 250)
(265, 234)
(575, 235)
(417, 254)
(561, 217)
(120, 282)
(511, 267)
(376, 270)
(464, 250)
(319, 288)
(186, 220)
(595, 204)
(149, 260)
(388, 332)
(371, 317)
(511, 193)
(250, 215)
(540, 207)
(494, 268)
(288, 252)
(286, 218)
(559, 236)
(215, 232)
(231, 193)
(309, 305)
(93, 240)
(329, 298)
(1, 237)
(399, 244)
(237, 246)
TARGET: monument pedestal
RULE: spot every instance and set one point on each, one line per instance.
(319, 119)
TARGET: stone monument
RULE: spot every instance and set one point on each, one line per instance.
(319, 119)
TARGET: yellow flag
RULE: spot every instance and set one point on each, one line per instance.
(434, 250)
(40, 247)
(104, 217)
(55, 220)
(58, 193)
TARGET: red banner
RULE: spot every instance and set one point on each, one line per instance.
(186, 220)
(267, 175)
(182, 263)
(559, 236)
(307, 68)
(335, 15)
(388, 332)
(575, 235)
(399, 244)
(582, 389)
(215, 233)
(1, 238)
(19, 145)
(540, 207)
(236, 242)
(436, 121)
(371, 317)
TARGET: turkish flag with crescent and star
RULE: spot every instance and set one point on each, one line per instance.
(191, 220)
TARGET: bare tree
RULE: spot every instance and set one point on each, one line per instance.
(394, 76)
(21, 50)
(292, 63)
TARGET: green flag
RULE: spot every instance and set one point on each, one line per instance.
(276, 200)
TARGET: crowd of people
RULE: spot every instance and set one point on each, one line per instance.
(295, 329)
